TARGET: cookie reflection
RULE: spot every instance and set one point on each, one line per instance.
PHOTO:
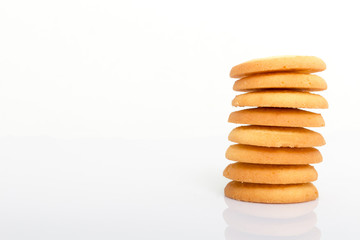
(270, 221)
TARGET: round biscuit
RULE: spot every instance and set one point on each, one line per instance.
(303, 64)
(281, 117)
(276, 136)
(280, 99)
(270, 174)
(273, 155)
(299, 81)
(271, 193)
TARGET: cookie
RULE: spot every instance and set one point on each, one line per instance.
(303, 64)
(268, 155)
(282, 117)
(280, 99)
(271, 193)
(276, 136)
(299, 81)
(270, 174)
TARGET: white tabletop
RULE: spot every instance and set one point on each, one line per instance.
(164, 189)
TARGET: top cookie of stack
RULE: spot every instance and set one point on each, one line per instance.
(278, 87)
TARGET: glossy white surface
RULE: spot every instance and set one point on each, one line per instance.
(121, 189)
(109, 71)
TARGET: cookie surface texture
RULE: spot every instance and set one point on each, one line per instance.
(282, 117)
(303, 64)
(300, 81)
(270, 174)
(273, 155)
(276, 136)
(280, 99)
(271, 193)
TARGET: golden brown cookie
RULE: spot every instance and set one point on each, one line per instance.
(270, 174)
(304, 64)
(271, 193)
(282, 117)
(299, 81)
(272, 155)
(280, 99)
(276, 136)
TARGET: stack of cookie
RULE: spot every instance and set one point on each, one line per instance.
(274, 149)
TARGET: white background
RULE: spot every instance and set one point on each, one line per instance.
(113, 114)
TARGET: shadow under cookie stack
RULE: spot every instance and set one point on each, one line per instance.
(274, 150)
